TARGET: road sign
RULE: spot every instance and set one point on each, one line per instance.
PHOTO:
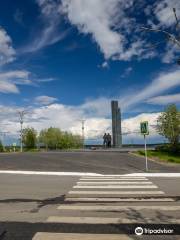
(145, 131)
(14, 144)
(144, 128)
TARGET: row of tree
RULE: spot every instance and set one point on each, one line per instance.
(51, 138)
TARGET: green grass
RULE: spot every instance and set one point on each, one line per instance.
(162, 156)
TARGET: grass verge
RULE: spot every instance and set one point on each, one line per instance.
(161, 156)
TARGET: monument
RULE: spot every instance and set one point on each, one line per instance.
(116, 124)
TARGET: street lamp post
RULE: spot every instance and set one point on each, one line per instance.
(83, 135)
(21, 120)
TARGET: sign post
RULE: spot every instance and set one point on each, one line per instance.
(145, 131)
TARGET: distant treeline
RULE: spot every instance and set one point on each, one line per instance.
(50, 138)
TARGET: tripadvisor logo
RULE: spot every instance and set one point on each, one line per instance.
(139, 231)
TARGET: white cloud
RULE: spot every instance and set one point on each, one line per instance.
(165, 81)
(7, 52)
(69, 118)
(131, 129)
(44, 80)
(9, 80)
(45, 100)
(96, 17)
(164, 100)
(109, 26)
(132, 124)
(96, 107)
(112, 24)
(8, 87)
(171, 53)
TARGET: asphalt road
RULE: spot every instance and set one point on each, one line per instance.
(29, 203)
(95, 162)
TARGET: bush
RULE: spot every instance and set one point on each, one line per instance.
(168, 148)
(141, 152)
(163, 148)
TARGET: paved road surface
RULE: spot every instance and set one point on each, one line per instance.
(85, 207)
(95, 162)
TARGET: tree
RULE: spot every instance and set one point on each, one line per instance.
(29, 137)
(50, 137)
(54, 138)
(69, 141)
(168, 125)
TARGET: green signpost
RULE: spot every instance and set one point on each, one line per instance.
(145, 131)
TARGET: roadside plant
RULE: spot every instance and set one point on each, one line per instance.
(168, 125)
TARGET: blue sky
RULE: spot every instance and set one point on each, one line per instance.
(65, 60)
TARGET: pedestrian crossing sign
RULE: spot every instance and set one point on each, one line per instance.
(144, 128)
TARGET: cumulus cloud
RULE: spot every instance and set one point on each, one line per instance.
(96, 107)
(132, 124)
(10, 80)
(45, 100)
(68, 118)
(7, 52)
(164, 100)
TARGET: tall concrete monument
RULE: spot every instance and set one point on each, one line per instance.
(116, 124)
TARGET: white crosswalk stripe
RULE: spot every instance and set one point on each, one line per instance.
(109, 183)
(115, 186)
(78, 236)
(116, 208)
(104, 220)
(106, 199)
(117, 192)
(110, 178)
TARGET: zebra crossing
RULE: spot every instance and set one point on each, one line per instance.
(101, 200)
